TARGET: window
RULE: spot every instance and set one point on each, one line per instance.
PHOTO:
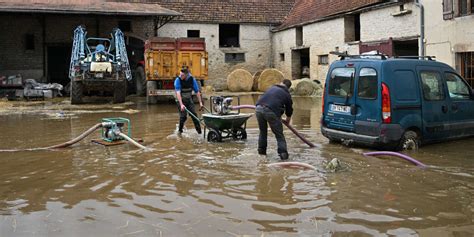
(465, 65)
(352, 28)
(299, 36)
(463, 7)
(234, 57)
(457, 88)
(448, 9)
(229, 35)
(368, 84)
(432, 86)
(282, 57)
(30, 42)
(457, 8)
(323, 59)
(341, 82)
(125, 26)
(193, 34)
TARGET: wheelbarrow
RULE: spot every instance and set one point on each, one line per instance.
(221, 121)
(225, 126)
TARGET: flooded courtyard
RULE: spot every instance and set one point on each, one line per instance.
(186, 186)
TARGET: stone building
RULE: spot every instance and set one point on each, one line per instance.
(450, 34)
(36, 37)
(238, 32)
(315, 28)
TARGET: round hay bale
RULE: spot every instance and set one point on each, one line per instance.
(268, 78)
(305, 87)
(239, 80)
(208, 89)
(256, 76)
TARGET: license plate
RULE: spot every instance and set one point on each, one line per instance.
(99, 75)
(340, 108)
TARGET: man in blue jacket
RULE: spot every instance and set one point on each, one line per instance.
(270, 107)
(184, 85)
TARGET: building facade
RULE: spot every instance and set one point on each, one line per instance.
(307, 42)
(36, 37)
(238, 33)
(450, 34)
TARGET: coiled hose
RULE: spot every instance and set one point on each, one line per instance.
(76, 140)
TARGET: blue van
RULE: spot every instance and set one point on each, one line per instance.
(395, 103)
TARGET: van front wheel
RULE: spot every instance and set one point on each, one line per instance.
(409, 141)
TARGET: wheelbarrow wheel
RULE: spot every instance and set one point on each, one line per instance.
(239, 134)
(214, 136)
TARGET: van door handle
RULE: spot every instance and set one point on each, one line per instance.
(353, 109)
(444, 108)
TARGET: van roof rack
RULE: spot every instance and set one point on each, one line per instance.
(430, 58)
(371, 55)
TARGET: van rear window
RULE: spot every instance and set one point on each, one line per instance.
(368, 84)
(341, 82)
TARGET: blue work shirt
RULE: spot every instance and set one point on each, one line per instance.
(278, 99)
(179, 84)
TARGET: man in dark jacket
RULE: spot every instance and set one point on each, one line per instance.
(184, 85)
(270, 107)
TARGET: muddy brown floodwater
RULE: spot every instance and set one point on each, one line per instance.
(189, 187)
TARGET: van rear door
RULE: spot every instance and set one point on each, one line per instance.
(340, 99)
(435, 105)
(368, 116)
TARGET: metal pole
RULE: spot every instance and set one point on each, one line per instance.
(422, 27)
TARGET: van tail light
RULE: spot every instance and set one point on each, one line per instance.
(386, 108)
(322, 100)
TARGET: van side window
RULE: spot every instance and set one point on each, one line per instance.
(368, 84)
(432, 85)
(341, 82)
(458, 89)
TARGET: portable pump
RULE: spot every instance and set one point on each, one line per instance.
(222, 105)
(112, 127)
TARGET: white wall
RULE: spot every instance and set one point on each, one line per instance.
(380, 24)
(254, 42)
(445, 38)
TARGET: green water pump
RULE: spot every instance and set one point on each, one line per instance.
(112, 127)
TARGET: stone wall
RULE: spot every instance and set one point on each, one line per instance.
(254, 40)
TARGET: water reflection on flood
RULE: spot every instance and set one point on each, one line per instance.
(189, 187)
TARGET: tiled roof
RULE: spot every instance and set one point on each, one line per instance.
(100, 7)
(230, 11)
(307, 11)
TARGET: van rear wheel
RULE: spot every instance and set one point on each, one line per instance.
(409, 141)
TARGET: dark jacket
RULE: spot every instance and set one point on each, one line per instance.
(278, 99)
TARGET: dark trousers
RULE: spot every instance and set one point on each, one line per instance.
(266, 116)
(188, 102)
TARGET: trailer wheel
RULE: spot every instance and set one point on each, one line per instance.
(140, 81)
(409, 141)
(76, 92)
(120, 91)
(214, 136)
(239, 134)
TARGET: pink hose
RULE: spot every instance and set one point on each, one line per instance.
(391, 153)
(243, 107)
(310, 144)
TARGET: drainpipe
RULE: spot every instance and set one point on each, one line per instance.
(422, 27)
